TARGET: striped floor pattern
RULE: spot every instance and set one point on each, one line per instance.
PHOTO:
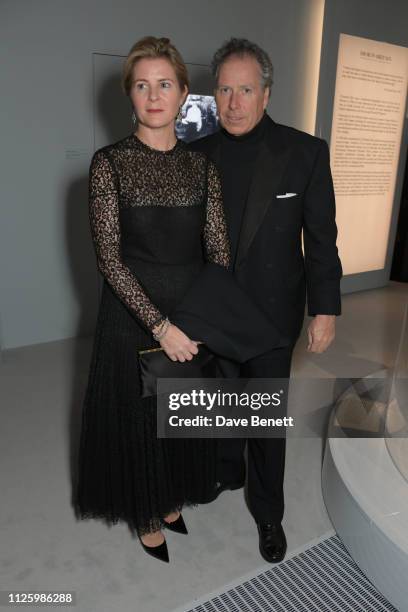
(323, 578)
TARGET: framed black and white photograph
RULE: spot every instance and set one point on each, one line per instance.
(199, 118)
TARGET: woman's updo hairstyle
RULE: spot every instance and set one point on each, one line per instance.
(152, 47)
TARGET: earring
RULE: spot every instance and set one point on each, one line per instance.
(134, 118)
(179, 115)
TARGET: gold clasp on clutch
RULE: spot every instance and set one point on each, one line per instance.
(153, 350)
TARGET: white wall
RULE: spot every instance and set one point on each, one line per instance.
(48, 278)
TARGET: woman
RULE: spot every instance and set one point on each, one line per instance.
(156, 215)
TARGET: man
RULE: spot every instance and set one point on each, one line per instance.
(276, 183)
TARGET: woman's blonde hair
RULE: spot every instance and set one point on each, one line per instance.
(152, 47)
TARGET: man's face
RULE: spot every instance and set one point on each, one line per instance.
(241, 99)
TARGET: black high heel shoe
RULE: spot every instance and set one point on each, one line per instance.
(178, 526)
(158, 552)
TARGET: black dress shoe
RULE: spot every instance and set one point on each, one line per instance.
(158, 552)
(272, 542)
(219, 487)
(178, 525)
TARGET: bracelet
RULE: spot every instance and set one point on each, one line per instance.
(162, 330)
(159, 324)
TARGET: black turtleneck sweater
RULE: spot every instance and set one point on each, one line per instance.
(238, 156)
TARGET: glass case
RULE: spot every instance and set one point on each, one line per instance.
(396, 422)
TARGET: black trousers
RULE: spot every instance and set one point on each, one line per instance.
(266, 456)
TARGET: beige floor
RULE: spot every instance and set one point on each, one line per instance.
(43, 547)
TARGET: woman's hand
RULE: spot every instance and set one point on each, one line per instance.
(178, 346)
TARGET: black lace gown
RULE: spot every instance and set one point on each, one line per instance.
(156, 217)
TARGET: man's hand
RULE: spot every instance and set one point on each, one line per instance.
(321, 332)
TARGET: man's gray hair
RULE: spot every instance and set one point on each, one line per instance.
(242, 47)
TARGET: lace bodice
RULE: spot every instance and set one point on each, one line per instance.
(131, 174)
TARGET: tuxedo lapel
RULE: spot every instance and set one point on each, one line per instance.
(269, 169)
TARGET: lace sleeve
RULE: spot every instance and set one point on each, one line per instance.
(216, 241)
(105, 229)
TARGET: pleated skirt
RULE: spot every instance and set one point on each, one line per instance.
(125, 473)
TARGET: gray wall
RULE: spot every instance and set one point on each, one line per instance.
(47, 265)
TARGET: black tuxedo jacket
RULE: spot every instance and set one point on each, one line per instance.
(270, 265)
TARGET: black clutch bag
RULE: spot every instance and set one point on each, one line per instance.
(155, 364)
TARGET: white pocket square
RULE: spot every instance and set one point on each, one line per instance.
(286, 195)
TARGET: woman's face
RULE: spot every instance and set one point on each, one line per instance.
(156, 95)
